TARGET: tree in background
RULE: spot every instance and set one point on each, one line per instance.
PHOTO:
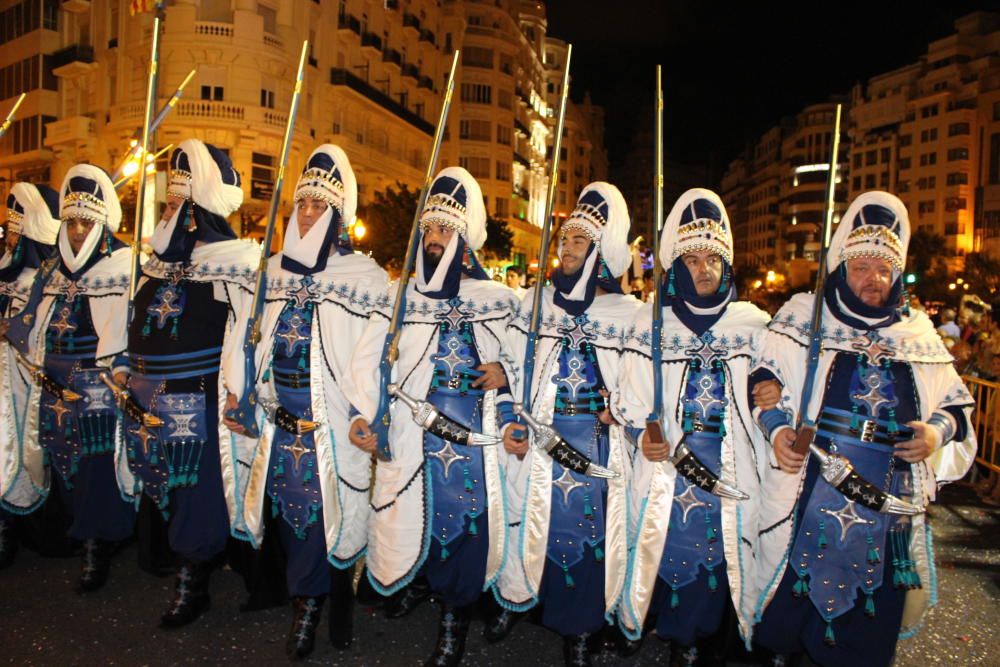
(389, 219)
(499, 240)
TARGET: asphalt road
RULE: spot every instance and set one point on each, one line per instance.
(42, 622)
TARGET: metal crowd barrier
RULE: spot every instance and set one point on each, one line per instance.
(984, 420)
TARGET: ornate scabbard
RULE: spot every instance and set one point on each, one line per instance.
(692, 469)
(45, 381)
(549, 440)
(840, 474)
(284, 419)
(433, 421)
(129, 405)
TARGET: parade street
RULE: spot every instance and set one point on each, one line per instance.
(44, 622)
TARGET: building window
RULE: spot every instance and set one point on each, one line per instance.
(215, 93)
(504, 135)
(871, 157)
(477, 93)
(904, 163)
(503, 170)
(856, 183)
(928, 159)
(885, 155)
(905, 139)
(476, 130)
(952, 204)
(479, 167)
(957, 129)
(857, 160)
(994, 168)
(929, 111)
(267, 98)
(502, 209)
(958, 178)
(505, 99)
(958, 154)
(262, 175)
(928, 135)
(476, 56)
(869, 181)
(925, 207)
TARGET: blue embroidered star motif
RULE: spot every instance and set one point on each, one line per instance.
(580, 331)
(305, 293)
(704, 350)
(454, 316)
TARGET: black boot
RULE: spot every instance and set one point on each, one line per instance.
(341, 607)
(408, 599)
(576, 650)
(302, 634)
(190, 595)
(367, 596)
(8, 544)
(96, 565)
(683, 656)
(500, 624)
(616, 641)
(452, 630)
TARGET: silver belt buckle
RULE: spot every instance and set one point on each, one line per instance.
(868, 430)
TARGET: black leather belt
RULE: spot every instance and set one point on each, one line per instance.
(874, 431)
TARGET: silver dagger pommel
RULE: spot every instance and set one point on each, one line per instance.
(840, 474)
(549, 440)
(430, 419)
(694, 471)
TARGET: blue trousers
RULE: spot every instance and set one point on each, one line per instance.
(98, 510)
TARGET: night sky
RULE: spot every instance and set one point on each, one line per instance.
(733, 69)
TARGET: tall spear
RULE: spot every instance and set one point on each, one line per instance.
(154, 64)
(245, 410)
(546, 437)
(390, 348)
(10, 116)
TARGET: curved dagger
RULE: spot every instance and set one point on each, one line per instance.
(127, 403)
(840, 474)
(698, 474)
(549, 440)
(435, 422)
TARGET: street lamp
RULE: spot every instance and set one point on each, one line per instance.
(358, 229)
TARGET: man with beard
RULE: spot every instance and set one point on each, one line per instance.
(438, 505)
(694, 560)
(319, 296)
(181, 310)
(30, 232)
(78, 332)
(569, 549)
(840, 581)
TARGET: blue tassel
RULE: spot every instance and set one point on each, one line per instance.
(468, 481)
(473, 530)
(822, 535)
(870, 606)
(873, 557)
(713, 583)
(828, 637)
(598, 554)
(569, 580)
(670, 283)
(309, 475)
(675, 599)
(444, 553)
(279, 470)
(687, 425)
(274, 510)
(801, 587)
(588, 511)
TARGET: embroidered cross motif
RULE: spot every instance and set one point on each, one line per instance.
(166, 308)
(580, 331)
(566, 483)
(297, 450)
(847, 516)
(305, 293)
(63, 324)
(447, 456)
(873, 346)
(454, 316)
